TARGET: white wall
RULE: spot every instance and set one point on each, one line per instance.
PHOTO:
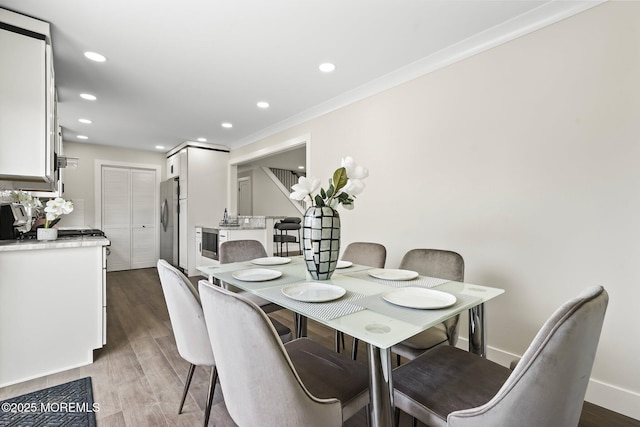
(79, 184)
(524, 159)
(267, 199)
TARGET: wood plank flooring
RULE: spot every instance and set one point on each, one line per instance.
(138, 376)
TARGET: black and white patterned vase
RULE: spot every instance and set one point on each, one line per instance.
(321, 241)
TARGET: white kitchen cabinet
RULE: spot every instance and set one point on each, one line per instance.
(203, 180)
(173, 165)
(183, 231)
(53, 320)
(200, 259)
(28, 116)
(259, 234)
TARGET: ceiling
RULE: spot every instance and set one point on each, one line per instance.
(176, 70)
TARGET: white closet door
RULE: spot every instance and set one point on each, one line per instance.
(128, 216)
(143, 230)
(116, 216)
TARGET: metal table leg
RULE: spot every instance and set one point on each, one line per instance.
(477, 331)
(300, 325)
(380, 387)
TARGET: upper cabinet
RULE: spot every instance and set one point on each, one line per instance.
(29, 136)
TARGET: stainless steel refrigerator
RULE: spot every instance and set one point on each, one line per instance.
(169, 215)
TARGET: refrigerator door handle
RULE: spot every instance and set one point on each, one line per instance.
(164, 218)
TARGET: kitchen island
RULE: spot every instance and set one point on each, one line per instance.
(208, 238)
(52, 305)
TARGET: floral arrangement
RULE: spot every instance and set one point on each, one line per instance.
(55, 208)
(346, 184)
(25, 198)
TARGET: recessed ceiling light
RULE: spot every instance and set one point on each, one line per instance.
(202, 139)
(227, 125)
(327, 67)
(159, 147)
(95, 56)
(88, 96)
(85, 121)
(263, 104)
(83, 137)
(300, 167)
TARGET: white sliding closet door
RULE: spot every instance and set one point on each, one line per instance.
(128, 212)
(143, 230)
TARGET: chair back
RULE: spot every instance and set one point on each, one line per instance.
(185, 313)
(258, 380)
(435, 263)
(240, 250)
(366, 253)
(548, 385)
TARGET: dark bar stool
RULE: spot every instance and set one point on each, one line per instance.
(281, 234)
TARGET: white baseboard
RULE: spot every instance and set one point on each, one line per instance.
(609, 396)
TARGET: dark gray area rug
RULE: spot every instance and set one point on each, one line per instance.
(70, 405)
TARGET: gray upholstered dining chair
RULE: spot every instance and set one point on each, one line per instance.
(362, 253)
(433, 263)
(189, 328)
(447, 386)
(300, 383)
(246, 250)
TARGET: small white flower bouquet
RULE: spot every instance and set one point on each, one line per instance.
(346, 184)
(55, 208)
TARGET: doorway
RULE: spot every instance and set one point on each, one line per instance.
(245, 196)
(267, 157)
(127, 205)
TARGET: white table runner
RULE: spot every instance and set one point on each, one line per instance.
(420, 281)
(414, 316)
(323, 310)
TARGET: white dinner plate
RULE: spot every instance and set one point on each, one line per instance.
(343, 264)
(419, 298)
(393, 274)
(313, 292)
(271, 260)
(256, 274)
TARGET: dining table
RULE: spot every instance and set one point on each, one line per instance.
(381, 307)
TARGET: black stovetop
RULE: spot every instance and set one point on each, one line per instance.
(92, 232)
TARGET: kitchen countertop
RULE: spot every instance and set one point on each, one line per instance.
(67, 242)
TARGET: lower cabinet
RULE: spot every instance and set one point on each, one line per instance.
(259, 234)
(53, 308)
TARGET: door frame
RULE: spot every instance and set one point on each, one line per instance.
(290, 144)
(98, 164)
(250, 180)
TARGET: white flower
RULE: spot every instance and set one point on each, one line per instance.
(345, 184)
(305, 187)
(354, 186)
(354, 171)
(55, 208)
(26, 199)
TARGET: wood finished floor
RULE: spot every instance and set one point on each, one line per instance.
(138, 376)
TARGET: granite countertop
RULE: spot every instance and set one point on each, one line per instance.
(239, 227)
(67, 242)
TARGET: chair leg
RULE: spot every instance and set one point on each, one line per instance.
(396, 416)
(354, 350)
(187, 383)
(414, 422)
(398, 359)
(212, 389)
(337, 340)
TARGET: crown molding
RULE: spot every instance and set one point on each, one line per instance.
(547, 14)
